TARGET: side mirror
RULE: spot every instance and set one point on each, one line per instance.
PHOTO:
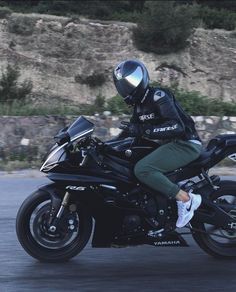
(62, 138)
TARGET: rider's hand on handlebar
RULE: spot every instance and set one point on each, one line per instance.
(133, 129)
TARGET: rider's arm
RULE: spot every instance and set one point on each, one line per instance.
(134, 119)
(172, 125)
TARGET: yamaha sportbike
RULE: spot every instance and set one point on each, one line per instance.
(93, 184)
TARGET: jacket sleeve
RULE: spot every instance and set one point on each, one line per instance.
(172, 125)
(133, 120)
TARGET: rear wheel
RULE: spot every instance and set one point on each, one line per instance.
(216, 241)
(71, 236)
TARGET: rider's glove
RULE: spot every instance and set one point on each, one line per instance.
(132, 129)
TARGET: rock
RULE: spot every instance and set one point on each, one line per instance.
(53, 50)
(114, 132)
(106, 113)
(24, 142)
(209, 121)
(55, 26)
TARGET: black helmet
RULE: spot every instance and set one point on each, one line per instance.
(131, 80)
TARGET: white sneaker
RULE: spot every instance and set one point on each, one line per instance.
(186, 210)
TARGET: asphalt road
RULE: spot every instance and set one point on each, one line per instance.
(143, 268)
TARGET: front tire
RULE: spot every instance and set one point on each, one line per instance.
(42, 245)
(214, 245)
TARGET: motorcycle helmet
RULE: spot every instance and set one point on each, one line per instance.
(131, 79)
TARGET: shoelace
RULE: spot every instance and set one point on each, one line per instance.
(182, 207)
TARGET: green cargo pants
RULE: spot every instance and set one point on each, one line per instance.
(168, 157)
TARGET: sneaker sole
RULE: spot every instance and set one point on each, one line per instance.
(186, 220)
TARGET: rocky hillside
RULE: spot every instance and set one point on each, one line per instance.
(73, 59)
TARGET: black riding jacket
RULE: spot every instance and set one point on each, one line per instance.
(162, 117)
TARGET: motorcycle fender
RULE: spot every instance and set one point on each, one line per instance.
(55, 194)
(229, 145)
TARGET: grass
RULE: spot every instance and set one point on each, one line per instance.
(115, 105)
(193, 102)
(18, 109)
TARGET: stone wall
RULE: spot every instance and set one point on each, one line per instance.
(29, 138)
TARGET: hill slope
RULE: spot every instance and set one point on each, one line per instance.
(73, 60)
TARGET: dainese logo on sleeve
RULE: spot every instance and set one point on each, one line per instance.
(158, 94)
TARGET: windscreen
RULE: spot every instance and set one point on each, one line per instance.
(80, 127)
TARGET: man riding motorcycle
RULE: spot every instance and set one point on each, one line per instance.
(157, 115)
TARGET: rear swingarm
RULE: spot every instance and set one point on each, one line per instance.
(215, 214)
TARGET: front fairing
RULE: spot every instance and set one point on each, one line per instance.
(57, 155)
(60, 153)
(80, 128)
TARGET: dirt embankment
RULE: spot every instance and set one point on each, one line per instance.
(73, 59)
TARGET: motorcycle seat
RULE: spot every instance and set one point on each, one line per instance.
(206, 155)
(203, 159)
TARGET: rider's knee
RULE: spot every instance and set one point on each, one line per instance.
(138, 170)
(141, 170)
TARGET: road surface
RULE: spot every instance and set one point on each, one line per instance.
(143, 268)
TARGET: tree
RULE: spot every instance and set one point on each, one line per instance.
(11, 89)
(222, 4)
(164, 26)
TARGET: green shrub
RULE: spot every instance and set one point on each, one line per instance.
(197, 104)
(213, 18)
(193, 102)
(105, 9)
(42, 7)
(94, 80)
(165, 27)
(58, 7)
(101, 9)
(31, 109)
(5, 12)
(97, 107)
(219, 4)
(126, 16)
(3, 3)
(117, 106)
(96, 9)
(11, 89)
(99, 103)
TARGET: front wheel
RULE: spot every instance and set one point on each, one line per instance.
(216, 241)
(71, 236)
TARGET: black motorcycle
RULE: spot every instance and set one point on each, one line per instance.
(94, 184)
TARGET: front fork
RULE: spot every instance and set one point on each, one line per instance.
(55, 205)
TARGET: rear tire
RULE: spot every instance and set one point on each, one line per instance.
(211, 244)
(49, 249)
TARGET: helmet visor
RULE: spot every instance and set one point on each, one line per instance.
(129, 83)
